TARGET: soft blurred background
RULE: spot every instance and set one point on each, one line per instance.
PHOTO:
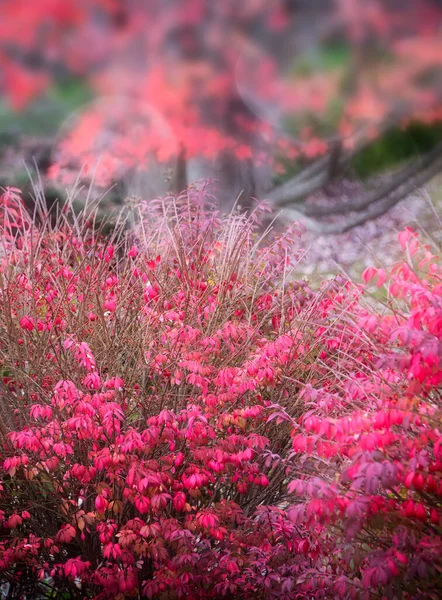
(328, 109)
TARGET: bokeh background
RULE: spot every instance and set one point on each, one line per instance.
(329, 110)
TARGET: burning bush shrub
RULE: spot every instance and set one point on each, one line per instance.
(181, 418)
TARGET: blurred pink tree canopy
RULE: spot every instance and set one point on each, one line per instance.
(229, 90)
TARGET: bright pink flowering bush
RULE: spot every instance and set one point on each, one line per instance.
(181, 418)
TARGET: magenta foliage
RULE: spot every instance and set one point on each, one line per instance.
(181, 418)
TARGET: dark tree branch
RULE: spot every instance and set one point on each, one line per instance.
(402, 177)
(386, 201)
(334, 163)
(326, 168)
(293, 191)
(315, 176)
